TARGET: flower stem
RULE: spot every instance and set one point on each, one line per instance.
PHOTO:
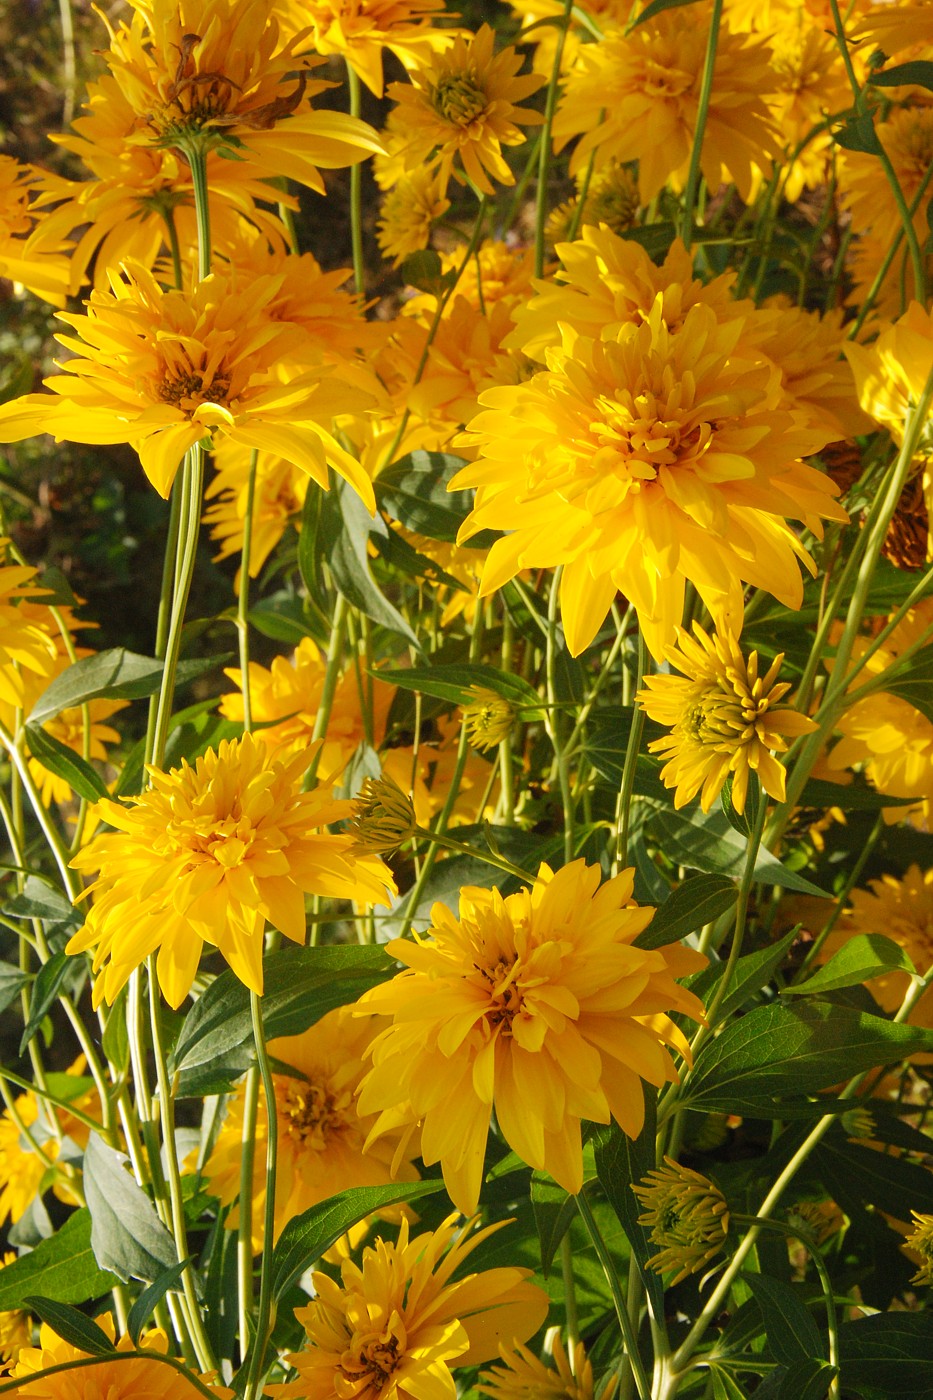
(544, 150)
(356, 192)
(263, 1320)
(696, 153)
(618, 1297)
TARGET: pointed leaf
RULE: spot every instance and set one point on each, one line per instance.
(349, 565)
(414, 492)
(918, 72)
(453, 683)
(865, 956)
(46, 987)
(808, 1380)
(116, 674)
(127, 1236)
(792, 1334)
(697, 901)
(149, 1299)
(12, 981)
(59, 759)
(888, 1356)
(71, 1325)
(61, 1267)
(554, 1211)
(620, 1162)
(708, 843)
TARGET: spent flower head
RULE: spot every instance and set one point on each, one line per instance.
(688, 1216)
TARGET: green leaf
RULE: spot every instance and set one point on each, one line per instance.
(452, 683)
(48, 982)
(792, 1334)
(41, 900)
(59, 759)
(12, 981)
(919, 72)
(281, 617)
(414, 492)
(116, 674)
(656, 239)
(115, 1040)
(620, 1161)
(751, 973)
(865, 956)
(725, 1387)
(848, 797)
(697, 901)
(215, 1045)
(349, 565)
(888, 1356)
(858, 134)
(743, 822)
(399, 555)
(309, 1235)
(423, 269)
(127, 1236)
(554, 1211)
(808, 1380)
(62, 1268)
(312, 551)
(71, 1325)
(794, 1050)
(708, 843)
(148, 1300)
(914, 682)
(880, 1179)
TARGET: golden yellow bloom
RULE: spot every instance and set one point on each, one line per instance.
(24, 643)
(359, 30)
(891, 373)
(280, 490)
(321, 1131)
(536, 1004)
(920, 1240)
(208, 854)
(525, 1377)
(132, 1378)
(640, 462)
(408, 213)
(634, 96)
(499, 271)
(41, 269)
(383, 816)
(22, 1168)
(466, 357)
(724, 719)
(15, 1327)
(892, 27)
(463, 104)
(215, 71)
(613, 198)
(396, 1323)
(487, 719)
(163, 370)
(811, 85)
(688, 1215)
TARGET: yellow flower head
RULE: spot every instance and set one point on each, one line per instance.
(892, 27)
(466, 356)
(811, 85)
(396, 1323)
(488, 718)
(27, 1156)
(217, 71)
(359, 30)
(644, 461)
(278, 496)
(724, 719)
(688, 1215)
(41, 269)
(15, 1327)
(536, 1004)
(208, 854)
(920, 1240)
(126, 1378)
(408, 213)
(891, 373)
(321, 1132)
(464, 104)
(163, 370)
(634, 96)
(525, 1377)
(24, 642)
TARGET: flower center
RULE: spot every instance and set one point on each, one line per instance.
(371, 1362)
(505, 997)
(186, 389)
(312, 1113)
(458, 98)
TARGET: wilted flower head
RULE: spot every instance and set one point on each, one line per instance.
(383, 817)
(396, 1323)
(724, 719)
(921, 1241)
(207, 854)
(688, 1215)
(537, 1004)
(488, 718)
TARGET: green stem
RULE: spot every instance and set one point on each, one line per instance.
(449, 844)
(335, 659)
(618, 1297)
(356, 192)
(570, 1293)
(544, 153)
(633, 744)
(696, 153)
(242, 609)
(264, 1319)
(553, 720)
(244, 1246)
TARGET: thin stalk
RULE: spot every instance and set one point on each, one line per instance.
(696, 153)
(544, 153)
(553, 720)
(257, 1364)
(332, 671)
(244, 1244)
(618, 1297)
(741, 916)
(69, 64)
(624, 803)
(356, 191)
(165, 594)
(570, 1293)
(242, 607)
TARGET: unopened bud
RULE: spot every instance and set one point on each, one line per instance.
(688, 1215)
(383, 817)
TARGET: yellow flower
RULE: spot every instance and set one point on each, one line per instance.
(465, 357)
(279, 493)
(641, 462)
(921, 1242)
(408, 213)
(163, 370)
(22, 1168)
(891, 373)
(397, 1322)
(15, 1327)
(634, 96)
(321, 1132)
(218, 72)
(358, 30)
(894, 27)
(463, 103)
(487, 719)
(24, 643)
(724, 719)
(811, 85)
(688, 1215)
(208, 854)
(41, 269)
(536, 1004)
(525, 1377)
(131, 1378)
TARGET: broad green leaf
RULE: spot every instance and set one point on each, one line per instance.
(914, 682)
(116, 674)
(743, 822)
(787, 1051)
(808, 1380)
(281, 617)
(859, 134)
(725, 1387)
(115, 1040)
(792, 1334)
(414, 492)
(881, 1180)
(59, 759)
(697, 901)
(48, 983)
(751, 973)
(620, 1161)
(309, 1235)
(71, 1325)
(127, 1236)
(400, 555)
(149, 1299)
(656, 239)
(888, 1356)
(918, 72)
(865, 956)
(849, 797)
(349, 565)
(319, 517)
(41, 900)
(423, 269)
(708, 843)
(62, 1268)
(453, 683)
(215, 1045)
(554, 1212)
(12, 981)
